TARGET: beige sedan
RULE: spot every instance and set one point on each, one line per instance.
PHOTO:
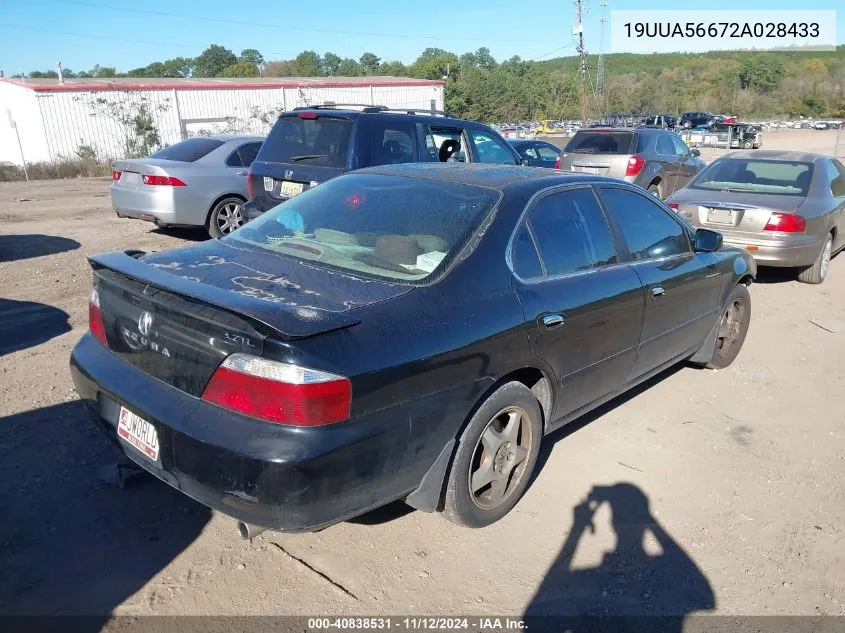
(786, 208)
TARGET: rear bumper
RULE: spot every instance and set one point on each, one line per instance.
(280, 477)
(796, 251)
(163, 205)
(251, 210)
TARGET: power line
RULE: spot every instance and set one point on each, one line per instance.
(289, 27)
(552, 52)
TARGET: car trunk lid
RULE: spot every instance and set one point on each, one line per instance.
(176, 315)
(132, 171)
(737, 213)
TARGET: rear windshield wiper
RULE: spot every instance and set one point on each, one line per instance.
(296, 159)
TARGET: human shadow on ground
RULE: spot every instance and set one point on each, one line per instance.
(17, 247)
(631, 589)
(25, 324)
(72, 541)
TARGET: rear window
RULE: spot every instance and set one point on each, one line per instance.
(781, 177)
(393, 227)
(322, 142)
(601, 143)
(189, 150)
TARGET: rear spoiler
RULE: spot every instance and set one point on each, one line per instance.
(291, 322)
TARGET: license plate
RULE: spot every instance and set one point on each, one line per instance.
(139, 433)
(291, 189)
(130, 178)
(720, 216)
(588, 170)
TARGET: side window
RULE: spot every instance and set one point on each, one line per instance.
(526, 264)
(444, 144)
(649, 231)
(530, 152)
(234, 160)
(680, 147)
(836, 175)
(393, 143)
(248, 152)
(547, 153)
(664, 145)
(489, 149)
(571, 232)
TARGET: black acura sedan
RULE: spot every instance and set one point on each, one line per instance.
(404, 332)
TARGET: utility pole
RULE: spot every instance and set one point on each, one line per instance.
(600, 73)
(578, 30)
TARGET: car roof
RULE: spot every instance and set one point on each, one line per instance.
(778, 154)
(608, 128)
(404, 114)
(484, 174)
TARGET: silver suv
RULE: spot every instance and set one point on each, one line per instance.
(655, 159)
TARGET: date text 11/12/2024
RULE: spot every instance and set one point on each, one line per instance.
(417, 624)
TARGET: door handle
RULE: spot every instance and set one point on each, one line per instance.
(657, 292)
(552, 321)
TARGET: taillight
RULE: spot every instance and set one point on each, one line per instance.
(115, 175)
(95, 317)
(279, 392)
(162, 181)
(307, 115)
(249, 185)
(786, 223)
(674, 206)
(557, 162)
(635, 165)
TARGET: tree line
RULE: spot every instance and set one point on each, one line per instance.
(748, 84)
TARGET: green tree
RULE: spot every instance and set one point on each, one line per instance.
(760, 73)
(369, 63)
(307, 64)
(254, 57)
(331, 64)
(240, 69)
(213, 61)
(435, 63)
(483, 58)
(393, 69)
(349, 68)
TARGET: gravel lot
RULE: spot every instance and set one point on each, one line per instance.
(733, 500)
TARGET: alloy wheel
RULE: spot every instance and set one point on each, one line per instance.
(825, 263)
(229, 217)
(730, 327)
(498, 461)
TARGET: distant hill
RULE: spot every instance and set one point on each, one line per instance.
(786, 83)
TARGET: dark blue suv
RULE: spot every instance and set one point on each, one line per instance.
(311, 145)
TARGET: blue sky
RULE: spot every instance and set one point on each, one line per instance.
(128, 33)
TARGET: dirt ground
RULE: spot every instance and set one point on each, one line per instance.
(724, 490)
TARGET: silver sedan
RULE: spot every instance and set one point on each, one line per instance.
(200, 181)
(787, 208)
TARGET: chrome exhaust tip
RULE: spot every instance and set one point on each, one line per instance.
(248, 531)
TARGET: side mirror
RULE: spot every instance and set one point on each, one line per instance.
(525, 162)
(707, 241)
(696, 152)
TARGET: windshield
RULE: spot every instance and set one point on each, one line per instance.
(601, 143)
(399, 228)
(781, 177)
(321, 141)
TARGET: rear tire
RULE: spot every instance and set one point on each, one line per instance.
(733, 328)
(225, 217)
(496, 455)
(817, 273)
